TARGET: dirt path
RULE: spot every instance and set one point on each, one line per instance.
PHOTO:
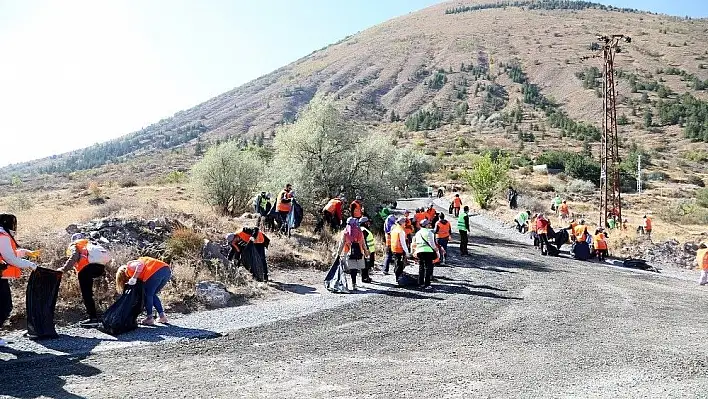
(505, 322)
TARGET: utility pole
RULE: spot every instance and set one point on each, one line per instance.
(639, 173)
(610, 189)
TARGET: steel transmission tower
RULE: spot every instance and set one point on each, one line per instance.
(610, 189)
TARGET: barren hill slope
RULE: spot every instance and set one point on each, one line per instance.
(460, 65)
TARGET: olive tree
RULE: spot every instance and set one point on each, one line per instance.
(322, 155)
(487, 177)
(227, 177)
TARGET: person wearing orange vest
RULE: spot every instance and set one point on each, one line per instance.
(702, 262)
(442, 235)
(11, 264)
(154, 274)
(408, 225)
(238, 241)
(333, 212)
(86, 272)
(532, 228)
(542, 226)
(580, 232)
(284, 203)
(419, 217)
(456, 205)
(356, 209)
(564, 211)
(600, 244)
(431, 214)
(399, 246)
(646, 227)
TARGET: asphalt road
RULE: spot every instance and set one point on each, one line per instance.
(505, 322)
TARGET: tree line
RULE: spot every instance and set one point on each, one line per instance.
(541, 5)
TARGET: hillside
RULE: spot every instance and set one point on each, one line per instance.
(485, 71)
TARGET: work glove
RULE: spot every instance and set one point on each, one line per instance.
(33, 267)
(251, 239)
(132, 281)
(34, 254)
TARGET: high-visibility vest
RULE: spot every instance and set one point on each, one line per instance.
(420, 241)
(150, 266)
(10, 272)
(332, 205)
(532, 223)
(396, 246)
(599, 241)
(430, 215)
(243, 236)
(370, 239)
(419, 217)
(457, 202)
(647, 224)
(461, 222)
(356, 209)
(407, 227)
(702, 258)
(81, 249)
(542, 226)
(579, 233)
(564, 209)
(443, 228)
(284, 206)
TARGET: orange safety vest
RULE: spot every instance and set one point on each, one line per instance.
(532, 223)
(419, 218)
(356, 209)
(83, 252)
(408, 227)
(10, 271)
(243, 236)
(579, 232)
(284, 206)
(332, 205)
(564, 209)
(542, 226)
(573, 226)
(443, 229)
(150, 266)
(702, 258)
(457, 202)
(647, 224)
(396, 246)
(430, 214)
(599, 241)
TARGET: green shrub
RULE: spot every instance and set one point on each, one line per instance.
(544, 188)
(702, 197)
(185, 243)
(696, 181)
(174, 177)
(127, 182)
(487, 178)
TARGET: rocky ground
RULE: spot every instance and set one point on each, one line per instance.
(504, 322)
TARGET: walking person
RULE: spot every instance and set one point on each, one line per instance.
(86, 271)
(463, 225)
(702, 262)
(389, 224)
(399, 246)
(11, 265)
(442, 234)
(353, 246)
(356, 208)
(370, 240)
(456, 204)
(425, 250)
(564, 211)
(511, 197)
(154, 274)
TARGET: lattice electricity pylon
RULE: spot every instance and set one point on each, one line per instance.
(610, 188)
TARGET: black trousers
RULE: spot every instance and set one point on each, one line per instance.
(601, 254)
(86, 277)
(543, 241)
(425, 267)
(260, 248)
(464, 240)
(366, 273)
(5, 301)
(400, 264)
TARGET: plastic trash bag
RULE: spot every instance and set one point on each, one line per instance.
(253, 261)
(42, 292)
(407, 280)
(295, 215)
(336, 281)
(122, 316)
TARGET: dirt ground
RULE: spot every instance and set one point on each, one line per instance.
(505, 322)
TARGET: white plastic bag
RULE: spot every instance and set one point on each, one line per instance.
(98, 254)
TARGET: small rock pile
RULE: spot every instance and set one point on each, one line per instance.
(667, 253)
(149, 236)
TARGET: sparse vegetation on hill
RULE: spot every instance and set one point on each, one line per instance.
(540, 5)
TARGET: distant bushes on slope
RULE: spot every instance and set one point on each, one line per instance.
(540, 5)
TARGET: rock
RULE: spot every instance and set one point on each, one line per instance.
(72, 228)
(212, 250)
(213, 293)
(96, 201)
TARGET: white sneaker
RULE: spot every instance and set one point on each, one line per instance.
(3, 342)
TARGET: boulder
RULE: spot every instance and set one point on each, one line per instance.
(213, 250)
(213, 293)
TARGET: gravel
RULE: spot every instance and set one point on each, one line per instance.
(505, 322)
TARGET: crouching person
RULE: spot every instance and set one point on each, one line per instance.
(238, 241)
(11, 263)
(87, 268)
(154, 274)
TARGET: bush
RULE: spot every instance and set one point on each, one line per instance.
(544, 188)
(127, 182)
(174, 177)
(685, 212)
(487, 178)
(580, 186)
(702, 197)
(582, 167)
(696, 181)
(228, 176)
(654, 176)
(184, 243)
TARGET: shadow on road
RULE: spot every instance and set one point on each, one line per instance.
(401, 292)
(462, 290)
(467, 283)
(30, 377)
(295, 288)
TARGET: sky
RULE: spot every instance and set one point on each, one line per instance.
(77, 72)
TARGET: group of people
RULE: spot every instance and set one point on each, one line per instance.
(274, 217)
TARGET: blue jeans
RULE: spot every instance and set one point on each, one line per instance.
(443, 243)
(153, 286)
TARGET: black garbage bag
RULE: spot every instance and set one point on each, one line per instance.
(581, 251)
(407, 280)
(122, 316)
(640, 264)
(42, 292)
(450, 209)
(297, 215)
(253, 261)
